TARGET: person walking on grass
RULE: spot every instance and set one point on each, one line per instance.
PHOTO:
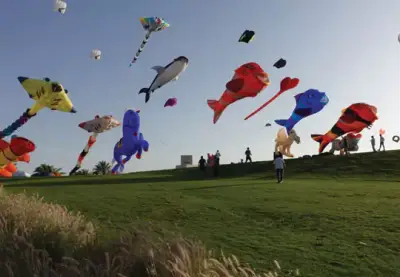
(248, 155)
(381, 142)
(373, 143)
(279, 166)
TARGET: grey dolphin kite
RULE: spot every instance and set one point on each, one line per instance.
(165, 75)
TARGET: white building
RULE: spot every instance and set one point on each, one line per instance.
(186, 161)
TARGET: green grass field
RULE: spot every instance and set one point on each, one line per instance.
(333, 216)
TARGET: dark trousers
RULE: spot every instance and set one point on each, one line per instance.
(216, 170)
(279, 174)
(373, 147)
(248, 158)
(381, 145)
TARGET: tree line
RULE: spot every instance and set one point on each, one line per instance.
(101, 168)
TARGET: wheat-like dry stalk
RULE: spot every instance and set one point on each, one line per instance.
(27, 223)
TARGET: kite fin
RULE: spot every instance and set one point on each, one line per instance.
(323, 141)
(281, 122)
(288, 124)
(159, 69)
(213, 104)
(147, 91)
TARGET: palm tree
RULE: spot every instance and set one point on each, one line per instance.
(46, 170)
(83, 172)
(102, 168)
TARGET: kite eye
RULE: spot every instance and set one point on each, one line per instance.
(66, 91)
(56, 87)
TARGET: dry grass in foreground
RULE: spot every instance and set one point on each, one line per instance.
(39, 239)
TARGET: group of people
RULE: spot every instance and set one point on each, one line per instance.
(278, 162)
(212, 162)
(381, 143)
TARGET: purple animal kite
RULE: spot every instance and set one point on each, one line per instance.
(131, 143)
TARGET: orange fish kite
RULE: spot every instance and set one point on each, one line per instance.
(17, 150)
(354, 119)
(248, 81)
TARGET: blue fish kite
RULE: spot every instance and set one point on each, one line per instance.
(307, 103)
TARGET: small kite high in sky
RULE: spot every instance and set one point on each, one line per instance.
(95, 54)
(268, 125)
(150, 25)
(171, 102)
(307, 103)
(247, 36)
(286, 84)
(280, 63)
(60, 6)
(95, 126)
(354, 119)
(249, 80)
(45, 94)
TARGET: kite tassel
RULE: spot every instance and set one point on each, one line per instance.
(10, 129)
(85, 151)
(140, 48)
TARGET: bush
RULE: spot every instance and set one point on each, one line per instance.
(47, 226)
(32, 230)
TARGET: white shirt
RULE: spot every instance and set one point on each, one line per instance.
(279, 163)
(217, 155)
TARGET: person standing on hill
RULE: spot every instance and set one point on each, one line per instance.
(217, 155)
(248, 155)
(373, 143)
(381, 142)
(216, 163)
(202, 164)
(279, 166)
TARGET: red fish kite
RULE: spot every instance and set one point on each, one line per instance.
(249, 80)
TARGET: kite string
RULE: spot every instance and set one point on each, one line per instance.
(23, 119)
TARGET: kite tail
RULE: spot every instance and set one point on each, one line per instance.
(85, 151)
(16, 124)
(147, 91)
(287, 123)
(213, 104)
(323, 141)
(146, 39)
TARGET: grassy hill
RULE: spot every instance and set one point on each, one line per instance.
(333, 216)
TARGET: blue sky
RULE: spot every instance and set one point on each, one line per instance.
(348, 49)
